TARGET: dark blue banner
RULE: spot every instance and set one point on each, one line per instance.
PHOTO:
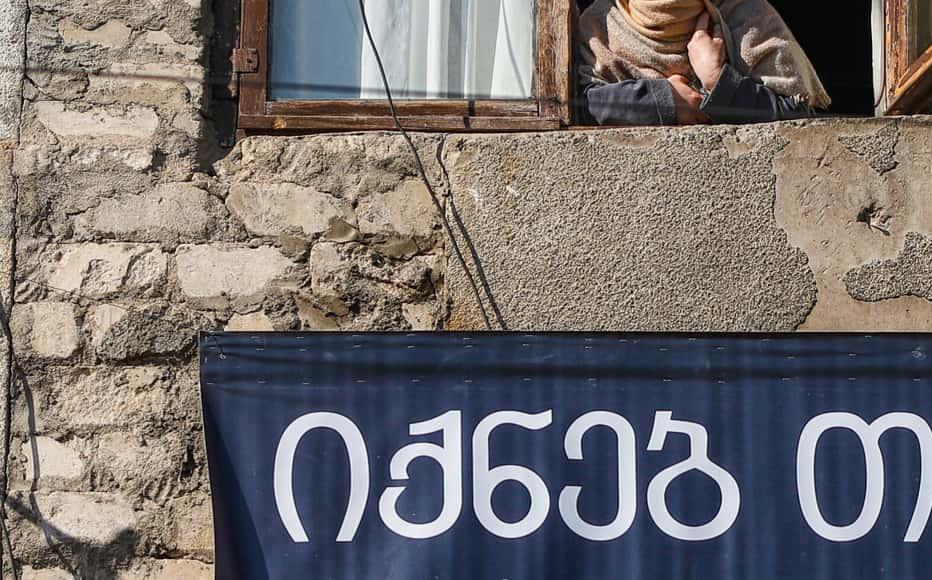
(569, 456)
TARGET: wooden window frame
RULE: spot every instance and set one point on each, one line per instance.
(909, 77)
(549, 109)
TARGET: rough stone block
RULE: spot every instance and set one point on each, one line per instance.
(100, 319)
(89, 517)
(168, 570)
(48, 328)
(165, 86)
(346, 166)
(30, 573)
(194, 531)
(74, 400)
(344, 273)
(135, 158)
(140, 466)
(171, 212)
(165, 44)
(255, 322)
(104, 270)
(284, 208)
(56, 460)
(312, 317)
(111, 34)
(97, 123)
(422, 316)
(213, 271)
(146, 331)
(402, 221)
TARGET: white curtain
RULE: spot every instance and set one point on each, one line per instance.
(879, 61)
(451, 48)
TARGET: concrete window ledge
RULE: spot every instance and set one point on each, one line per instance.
(802, 225)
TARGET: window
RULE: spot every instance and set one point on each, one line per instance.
(909, 56)
(451, 64)
(882, 39)
(507, 65)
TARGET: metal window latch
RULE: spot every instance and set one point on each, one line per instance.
(245, 60)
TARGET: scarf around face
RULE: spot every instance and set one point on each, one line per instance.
(644, 39)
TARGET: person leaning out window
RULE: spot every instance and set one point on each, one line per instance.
(684, 62)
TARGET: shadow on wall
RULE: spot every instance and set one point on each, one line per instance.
(220, 110)
(82, 560)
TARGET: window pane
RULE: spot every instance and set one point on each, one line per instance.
(431, 49)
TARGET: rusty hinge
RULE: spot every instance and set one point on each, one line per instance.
(245, 60)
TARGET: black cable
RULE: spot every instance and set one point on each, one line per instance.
(422, 171)
(472, 247)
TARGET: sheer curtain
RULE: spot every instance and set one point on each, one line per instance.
(451, 48)
(431, 49)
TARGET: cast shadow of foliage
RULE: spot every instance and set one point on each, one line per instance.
(82, 560)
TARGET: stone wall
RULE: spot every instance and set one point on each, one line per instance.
(134, 229)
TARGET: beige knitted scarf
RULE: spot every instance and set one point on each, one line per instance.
(637, 39)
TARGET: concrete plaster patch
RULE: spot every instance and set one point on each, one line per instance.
(843, 213)
(910, 274)
(583, 232)
(878, 148)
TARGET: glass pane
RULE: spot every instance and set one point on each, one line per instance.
(920, 25)
(431, 49)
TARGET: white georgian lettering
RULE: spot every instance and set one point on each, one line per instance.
(627, 477)
(358, 467)
(698, 460)
(485, 480)
(450, 458)
(869, 435)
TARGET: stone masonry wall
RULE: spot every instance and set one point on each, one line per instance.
(129, 241)
(129, 229)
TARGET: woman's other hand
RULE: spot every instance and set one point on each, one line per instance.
(707, 53)
(687, 101)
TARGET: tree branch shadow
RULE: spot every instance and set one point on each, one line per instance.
(82, 560)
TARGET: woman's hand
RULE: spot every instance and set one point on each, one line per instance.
(707, 53)
(687, 101)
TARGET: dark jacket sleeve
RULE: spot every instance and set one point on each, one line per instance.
(635, 102)
(738, 99)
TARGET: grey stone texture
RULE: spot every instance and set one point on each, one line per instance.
(910, 274)
(131, 236)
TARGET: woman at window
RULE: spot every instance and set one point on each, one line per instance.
(669, 62)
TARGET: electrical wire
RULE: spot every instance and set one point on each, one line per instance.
(430, 188)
